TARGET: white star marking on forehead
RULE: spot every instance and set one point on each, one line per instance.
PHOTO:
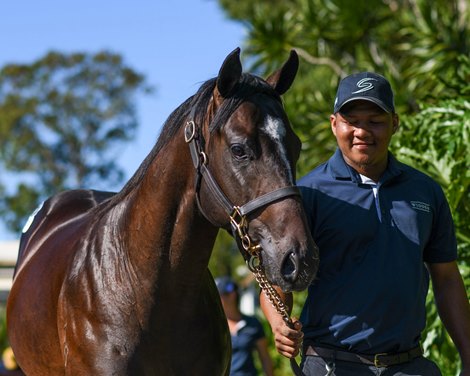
(275, 129)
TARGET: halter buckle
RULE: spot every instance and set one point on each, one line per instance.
(253, 263)
(203, 158)
(189, 131)
(238, 221)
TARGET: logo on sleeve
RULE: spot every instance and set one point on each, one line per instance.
(422, 206)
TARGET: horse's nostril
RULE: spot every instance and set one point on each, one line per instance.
(290, 267)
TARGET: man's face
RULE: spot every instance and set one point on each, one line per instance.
(363, 132)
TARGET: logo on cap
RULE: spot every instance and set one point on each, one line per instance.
(364, 85)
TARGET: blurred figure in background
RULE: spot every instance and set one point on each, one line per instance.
(246, 332)
(8, 365)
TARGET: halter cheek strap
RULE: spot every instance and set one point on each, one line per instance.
(199, 159)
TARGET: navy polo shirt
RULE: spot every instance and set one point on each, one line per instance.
(249, 331)
(370, 291)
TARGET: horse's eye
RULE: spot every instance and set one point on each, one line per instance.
(238, 151)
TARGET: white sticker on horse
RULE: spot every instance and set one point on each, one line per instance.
(30, 220)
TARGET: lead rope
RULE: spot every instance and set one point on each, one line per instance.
(276, 302)
(251, 255)
(281, 308)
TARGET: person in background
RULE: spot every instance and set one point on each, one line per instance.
(384, 230)
(246, 332)
(8, 365)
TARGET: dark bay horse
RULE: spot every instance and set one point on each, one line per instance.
(118, 284)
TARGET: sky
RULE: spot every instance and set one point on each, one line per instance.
(176, 44)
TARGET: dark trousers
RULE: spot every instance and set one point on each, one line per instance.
(317, 366)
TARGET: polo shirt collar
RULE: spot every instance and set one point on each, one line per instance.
(394, 169)
(340, 170)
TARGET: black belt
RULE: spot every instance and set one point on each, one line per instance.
(378, 360)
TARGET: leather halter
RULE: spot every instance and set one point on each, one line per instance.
(237, 214)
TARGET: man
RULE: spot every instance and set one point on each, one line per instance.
(382, 228)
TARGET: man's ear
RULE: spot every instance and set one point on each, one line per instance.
(396, 123)
(333, 123)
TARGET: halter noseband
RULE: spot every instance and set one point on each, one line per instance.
(238, 214)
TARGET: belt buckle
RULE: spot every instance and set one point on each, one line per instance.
(377, 360)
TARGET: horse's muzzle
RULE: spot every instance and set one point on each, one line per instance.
(297, 269)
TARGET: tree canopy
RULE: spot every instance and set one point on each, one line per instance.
(62, 119)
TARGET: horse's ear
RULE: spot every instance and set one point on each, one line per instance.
(229, 73)
(282, 79)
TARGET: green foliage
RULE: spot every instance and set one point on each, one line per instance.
(411, 42)
(226, 259)
(61, 118)
(3, 330)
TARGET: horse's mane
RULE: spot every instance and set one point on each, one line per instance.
(197, 104)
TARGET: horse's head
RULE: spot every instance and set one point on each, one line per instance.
(250, 151)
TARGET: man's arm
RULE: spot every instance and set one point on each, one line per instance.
(453, 307)
(287, 340)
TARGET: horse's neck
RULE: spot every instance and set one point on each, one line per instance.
(166, 239)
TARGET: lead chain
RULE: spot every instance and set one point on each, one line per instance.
(254, 264)
(239, 222)
(271, 294)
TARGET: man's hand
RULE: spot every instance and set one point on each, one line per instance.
(288, 341)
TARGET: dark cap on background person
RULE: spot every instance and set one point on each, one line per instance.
(366, 86)
(225, 285)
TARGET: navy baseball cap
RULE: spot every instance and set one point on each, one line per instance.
(366, 86)
(225, 285)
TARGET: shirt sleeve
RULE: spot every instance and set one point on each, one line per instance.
(442, 244)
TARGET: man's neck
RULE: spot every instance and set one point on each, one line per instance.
(373, 172)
